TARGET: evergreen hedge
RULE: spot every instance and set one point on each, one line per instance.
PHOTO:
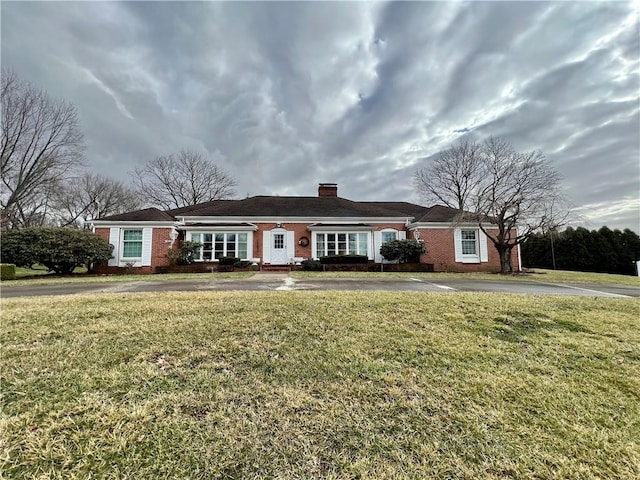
(58, 249)
(7, 271)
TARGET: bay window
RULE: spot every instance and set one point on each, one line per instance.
(219, 244)
(346, 243)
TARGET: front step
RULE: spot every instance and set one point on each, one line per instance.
(276, 268)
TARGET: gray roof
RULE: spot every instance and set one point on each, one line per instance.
(271, 206)
(145, 215)
(268, 206)
(440, 213)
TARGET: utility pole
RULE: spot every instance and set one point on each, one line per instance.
(553, 253)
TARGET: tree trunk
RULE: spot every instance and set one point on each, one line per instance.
(505, 259)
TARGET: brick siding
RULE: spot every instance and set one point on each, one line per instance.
(160, 245)
(439, 244)
(300, 230)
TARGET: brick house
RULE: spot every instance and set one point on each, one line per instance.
(276, 230)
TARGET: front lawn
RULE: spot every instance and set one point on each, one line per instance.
(84, 278)
(537, 275)
(547, 276)
(37, 270)
(320, 385)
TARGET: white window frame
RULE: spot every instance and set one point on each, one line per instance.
(476, 246)
(366, 242)
(378, 242)
(122, 242)
(225, 246)
(278, 239)
(481, 255)
(385, 232)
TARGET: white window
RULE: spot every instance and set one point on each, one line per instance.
(470, 245)
(342, 244)
(469, 242)
(132, 243)
(217, 245)
(389, 237)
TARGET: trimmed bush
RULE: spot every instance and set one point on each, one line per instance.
(184, 254)
(402, 250)
(228, 260)
(242, 264)
(7, 271)
(335, 259)
(58, 249)
(311, 265)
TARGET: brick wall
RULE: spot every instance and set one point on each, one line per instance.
(438, 242)
(441, 253)
(160, 244)
(300, 230)
(103, 233)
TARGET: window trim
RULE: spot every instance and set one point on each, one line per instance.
(476, 242)
(123, 242)
(278, 240)
(482, 254)
(336, 242)
(225, 243)
(387, 231)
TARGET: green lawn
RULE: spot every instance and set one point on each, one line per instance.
(30, 272)
(320, 385)
(563, 276)
(550, 276)
(80, 278)
(537, 275)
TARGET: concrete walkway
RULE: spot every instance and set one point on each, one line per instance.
(268, 277)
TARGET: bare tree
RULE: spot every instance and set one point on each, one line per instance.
(34, 210)
(451, 178)
(90, 196)
(519, 193)
(41, 144)
(184, 179)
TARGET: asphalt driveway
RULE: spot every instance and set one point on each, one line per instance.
(283, 282)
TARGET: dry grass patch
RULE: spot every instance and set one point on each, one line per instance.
(320, 384)
(537, 275)
(80, 278)
(584, 277)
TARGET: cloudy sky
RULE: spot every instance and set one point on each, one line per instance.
(286, 95)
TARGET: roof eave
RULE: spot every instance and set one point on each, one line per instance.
(291, 219)
(149, 223)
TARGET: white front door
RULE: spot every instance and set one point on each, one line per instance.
(279, 249)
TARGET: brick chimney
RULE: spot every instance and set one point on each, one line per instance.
(328, 190)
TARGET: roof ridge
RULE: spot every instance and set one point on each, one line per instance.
(134, 213)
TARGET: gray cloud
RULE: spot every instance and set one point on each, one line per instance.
(286, 95)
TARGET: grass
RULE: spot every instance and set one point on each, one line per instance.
(539, 275)
(28, 272)
(54, 280)
(563, 276)
(550, 276)
(320, 384)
